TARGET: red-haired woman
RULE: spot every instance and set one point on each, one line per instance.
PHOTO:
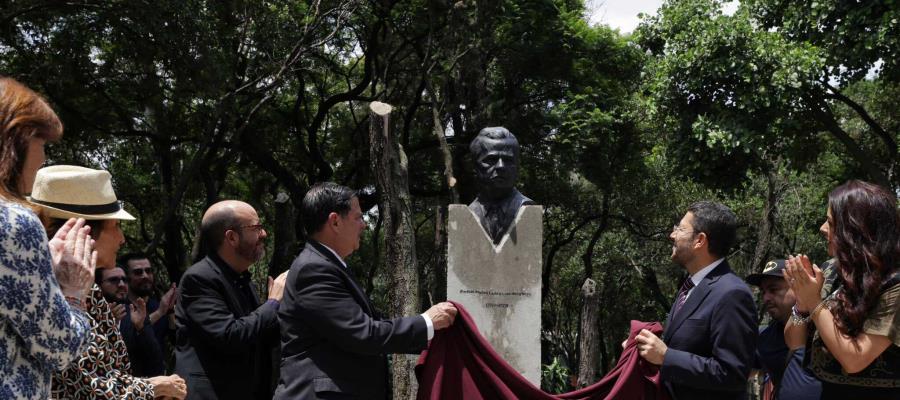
(43, 286)
(854, 305)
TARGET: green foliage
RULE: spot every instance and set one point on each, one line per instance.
(190, 102)
(556, 377)
(739, 90)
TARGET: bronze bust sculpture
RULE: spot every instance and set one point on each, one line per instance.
(496, 154)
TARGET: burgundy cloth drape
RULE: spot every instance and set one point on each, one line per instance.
(460, 364)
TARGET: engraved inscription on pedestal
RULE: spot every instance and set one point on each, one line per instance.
(500, 285)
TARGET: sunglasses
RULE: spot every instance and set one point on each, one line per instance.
(115, 280)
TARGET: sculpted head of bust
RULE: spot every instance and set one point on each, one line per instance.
(496, 154)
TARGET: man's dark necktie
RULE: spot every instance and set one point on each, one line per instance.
(682, 295)
(494, 215)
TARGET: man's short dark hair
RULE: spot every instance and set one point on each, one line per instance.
(495, 133)
(719, 224)
(320, 201)
(98, 275)
(123, 260)
(212, 232)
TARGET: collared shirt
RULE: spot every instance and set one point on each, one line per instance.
(428, 322)
(241, 281)
(335, 254)
(698, 276)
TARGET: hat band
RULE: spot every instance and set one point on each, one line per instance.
(82, 209)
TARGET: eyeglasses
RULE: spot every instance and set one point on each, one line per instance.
(257, 227)
(676, 228)
(141, 271)
(116, 280)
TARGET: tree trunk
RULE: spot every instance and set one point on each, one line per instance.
(390, 167)
(652, 284)
(439, 279)
(764, 237)
(285, 237)
(589, 341)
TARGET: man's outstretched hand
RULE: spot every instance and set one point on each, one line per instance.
(442, 315)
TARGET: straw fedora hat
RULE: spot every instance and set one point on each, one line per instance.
(67, 191)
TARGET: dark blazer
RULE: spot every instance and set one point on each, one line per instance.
(333, 344)
(712, 340)
(224, 341)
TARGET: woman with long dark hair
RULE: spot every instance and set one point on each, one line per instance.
(43, 285)
(853, 306)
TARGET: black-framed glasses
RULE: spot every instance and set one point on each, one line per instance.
(256, 227)
(115, 280)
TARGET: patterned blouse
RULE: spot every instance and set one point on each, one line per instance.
(882, 377)
(103, 371)
(39, 333)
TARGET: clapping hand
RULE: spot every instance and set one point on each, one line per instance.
(138, 313)
(806, 280)
(167, 302)
(276, 286)
(118, 310)
(73, 258)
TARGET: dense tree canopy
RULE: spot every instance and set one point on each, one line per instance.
(190, 102)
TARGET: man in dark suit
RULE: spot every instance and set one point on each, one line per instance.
(333, 343)
(225, 339)
(709, 341)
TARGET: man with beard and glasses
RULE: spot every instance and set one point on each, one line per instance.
(225, 339)
(158, 322)
(785, 378)
(144, 352)
(113, 284)
(706, 350)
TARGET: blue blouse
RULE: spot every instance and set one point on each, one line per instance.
(39, 332)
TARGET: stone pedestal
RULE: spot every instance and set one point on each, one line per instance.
(500, 286)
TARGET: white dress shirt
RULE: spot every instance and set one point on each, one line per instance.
(699, 275)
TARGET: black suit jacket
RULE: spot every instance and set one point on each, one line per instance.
(224, 339)
(333, 344)
(712, 340)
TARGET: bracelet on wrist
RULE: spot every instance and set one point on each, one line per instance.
(823, 305)
(797, 317)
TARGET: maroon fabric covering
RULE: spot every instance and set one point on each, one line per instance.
(460, 364)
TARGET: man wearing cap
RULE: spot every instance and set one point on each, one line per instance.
(225, 339)
(785, 378)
